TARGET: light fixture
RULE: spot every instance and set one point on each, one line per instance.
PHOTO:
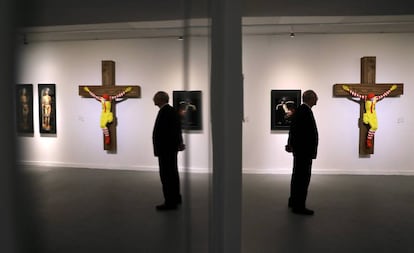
(180, 38)
(292, 34)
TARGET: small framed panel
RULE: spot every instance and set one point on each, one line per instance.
(47, 108)
(189, 106)
(24, 108)
(283, 106)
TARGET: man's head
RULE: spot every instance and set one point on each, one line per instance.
(310, 98)
(160, 98)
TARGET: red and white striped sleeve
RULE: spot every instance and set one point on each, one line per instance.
(121, 94)
(355, 94)
(384, 94)
(94, 95)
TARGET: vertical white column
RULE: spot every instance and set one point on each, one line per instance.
(226, 119)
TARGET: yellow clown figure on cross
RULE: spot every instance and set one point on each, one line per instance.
(106, 113)
(367, 121)
(370, 115)
(107, 93)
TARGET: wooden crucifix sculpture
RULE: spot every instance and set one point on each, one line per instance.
(369, 93)
(106, 94)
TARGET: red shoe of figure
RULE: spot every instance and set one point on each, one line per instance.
(107, 140)
(369, 143)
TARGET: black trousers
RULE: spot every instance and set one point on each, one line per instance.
(170, 179)
(301, 175)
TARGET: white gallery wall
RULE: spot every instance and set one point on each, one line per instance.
(269, 62)
(153, 64)
(317, 62)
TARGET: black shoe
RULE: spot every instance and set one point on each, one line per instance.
(165, 207)
(303, 211)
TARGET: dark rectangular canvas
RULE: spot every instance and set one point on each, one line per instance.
(189, 106)
(283, 106)
(24, 108)
(47, 108)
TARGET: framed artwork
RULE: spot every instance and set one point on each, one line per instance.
(283, 106)
(47, 108)
(188, 104)
(24, 108)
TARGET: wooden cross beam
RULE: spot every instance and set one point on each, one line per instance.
(366, 86)
(108, 87)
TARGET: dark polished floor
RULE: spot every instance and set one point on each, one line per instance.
(84, 210)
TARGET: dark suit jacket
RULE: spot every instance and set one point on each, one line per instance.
(167, 135)
(303, 133)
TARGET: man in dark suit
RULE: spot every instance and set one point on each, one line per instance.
(303, 142)
(167, 141)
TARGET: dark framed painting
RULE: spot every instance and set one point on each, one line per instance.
(24, 108)
(283, 106)
(189, 106)
(47, 108)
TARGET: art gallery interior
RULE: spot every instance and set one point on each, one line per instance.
(87, 199)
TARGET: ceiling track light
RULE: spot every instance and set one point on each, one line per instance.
(292, 34)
